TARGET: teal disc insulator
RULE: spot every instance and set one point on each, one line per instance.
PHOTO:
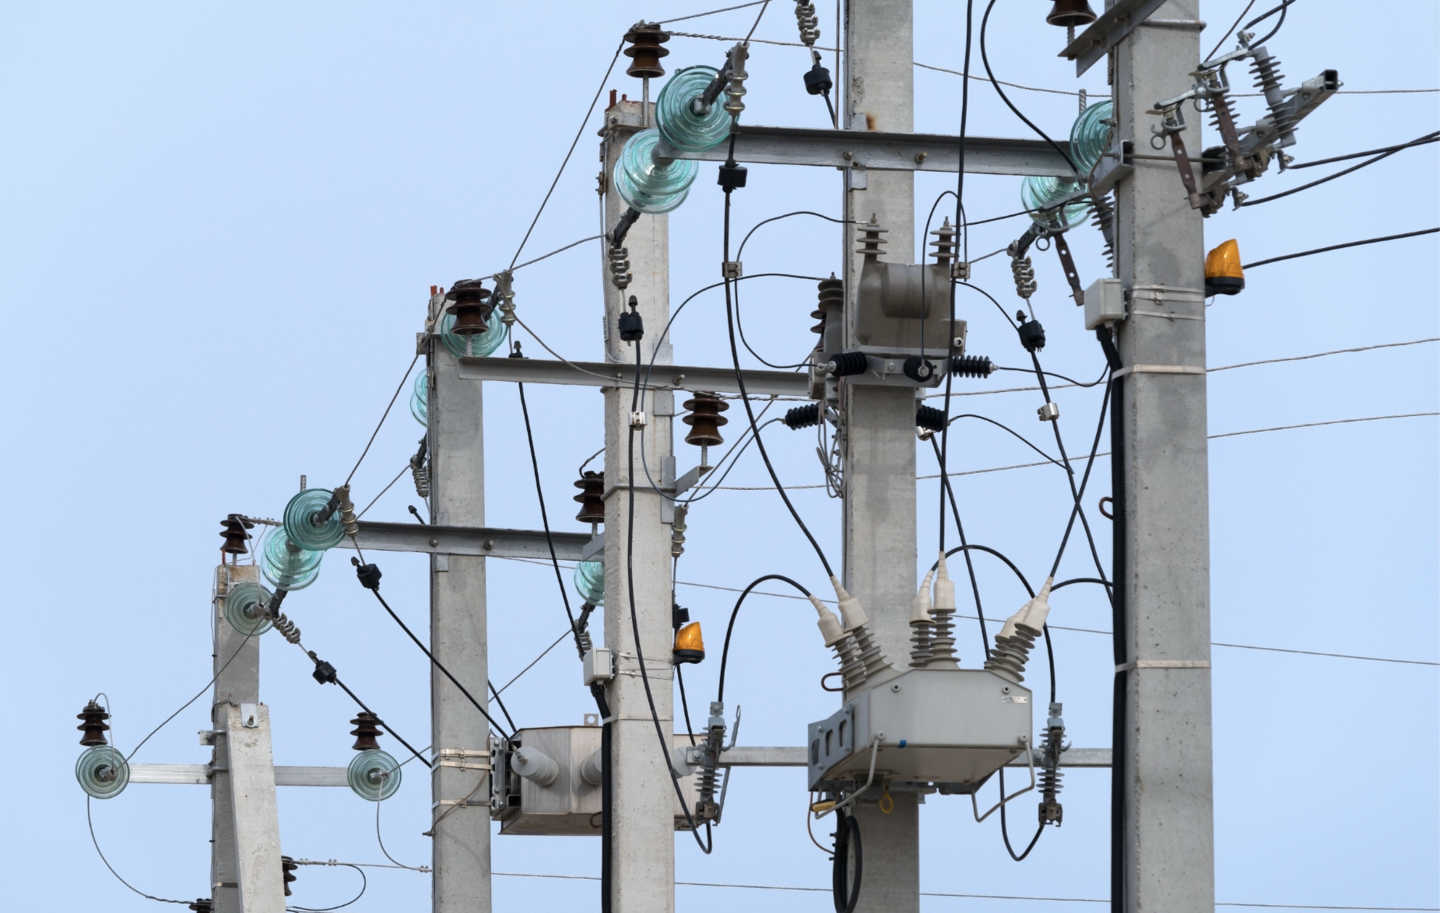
(420, 400)
(102, 772)
(590, 581)
(480, 344)
(285, 565)
(1038, 193)
(647, 185)
(373, 775)
(1090, 135)
(245, 608)
(682, 128)
(303, 525)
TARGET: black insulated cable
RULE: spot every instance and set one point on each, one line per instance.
(369, 576)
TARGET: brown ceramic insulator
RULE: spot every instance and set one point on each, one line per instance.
(367, 727)
(704, 419)
(645, 40)
(472, 307)
(591, 497)
(287, 872)
(92, 724)
(232, 530)
(944, 243)
(831, 293)
(1071, 13)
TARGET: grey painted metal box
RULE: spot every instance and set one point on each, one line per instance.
(570, 806)
(944, 728)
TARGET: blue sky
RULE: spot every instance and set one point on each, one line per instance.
(221, 225)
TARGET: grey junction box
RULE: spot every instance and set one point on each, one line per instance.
(947, 729)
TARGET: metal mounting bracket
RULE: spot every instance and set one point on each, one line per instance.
(1108, 30)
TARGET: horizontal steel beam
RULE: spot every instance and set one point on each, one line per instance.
(752, 756)
(862, 149)
(482, 541)
(199, 775)
(608, 374)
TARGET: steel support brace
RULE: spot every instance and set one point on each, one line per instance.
(478, 541)
(1108, 30)
(610, 375)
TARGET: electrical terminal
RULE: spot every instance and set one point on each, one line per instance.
(1049, 412)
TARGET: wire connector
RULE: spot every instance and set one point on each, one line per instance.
(632, 325)
(731, 269)
(1032, 334)
(942, 643)
(324, 672)
(368, 574)
(1049, 412)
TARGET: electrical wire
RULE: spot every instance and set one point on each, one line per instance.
(723, 9)
(1231, 30)
(547, 256)
(740, 256)
(181, 709)
(964, 229)
(750, 413)
(1424, 140)
(756, 24)
(545, 523)
(985, 59)
(383, 416)
(580, 131)
(1011, 431)
(404, 469)
(1427, 138)
(1322, 250)
(439, 666)
(364, 884)
(949, 490)
(735, 613)
(381, 841)
(90, 822)
(708, 844)
(528, 666)
(804, 889)
(1077, 492)
(1281, 9)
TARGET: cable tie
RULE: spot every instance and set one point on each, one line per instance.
(1165, 314)
(1159, 369)
(1163, 664)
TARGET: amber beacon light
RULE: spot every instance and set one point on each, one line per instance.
(1223, 275)
(689, 647)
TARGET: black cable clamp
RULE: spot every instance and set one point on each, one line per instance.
(731, 176)
(817, 80)
(368, 574)
(1032, 334)
(324, 672)
(920, 370)
(632, 326)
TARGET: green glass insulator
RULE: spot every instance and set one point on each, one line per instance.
(420, 399)
(304, 526)
(245, 608)
(679, 124)
(477, 345)
(102, 772)
(286, 565)
(590, 581)
(373, 775)
(1090, 135)
(646, 184)
(1039, 194)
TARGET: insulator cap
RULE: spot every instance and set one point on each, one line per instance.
(929, 418)
(232, 530)
(92, 724)
(471, 308)
(971, 366)
(645, 40)
(367, 728)
(591, 497)
(846, 363)
(202, 905)
(803, 417)
(944, 243)
(704, 419)
(1070, 13)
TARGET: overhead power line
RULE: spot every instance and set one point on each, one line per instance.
(1016, 85)
(1322, 250)
(805, 889)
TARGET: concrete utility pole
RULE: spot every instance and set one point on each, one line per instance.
(460, 735)
(1169, 829)
(643, 848)
(879, 422)
(245, 823)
